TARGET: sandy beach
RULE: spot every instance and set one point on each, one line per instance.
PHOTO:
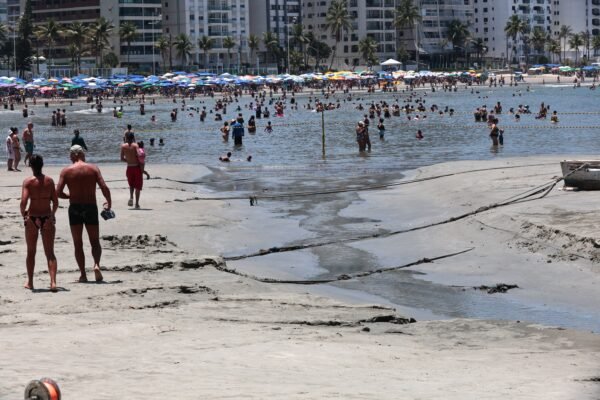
(177, 318)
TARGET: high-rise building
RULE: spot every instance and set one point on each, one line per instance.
(144, 14)
(581, 16)
(276, 16)
(3, 11)
(436, 17)
(370, 18)
(222, 21)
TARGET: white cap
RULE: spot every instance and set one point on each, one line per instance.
(75, 149)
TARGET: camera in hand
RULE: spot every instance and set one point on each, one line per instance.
(107, 213)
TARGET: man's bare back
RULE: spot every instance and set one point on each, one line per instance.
(81, 178)
(129, 154)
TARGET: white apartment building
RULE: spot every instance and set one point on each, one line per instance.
(216, 19)
(580, 15)
(275, 16)
(3, 11)
(144, 14)
(436, 16)
(372, 18)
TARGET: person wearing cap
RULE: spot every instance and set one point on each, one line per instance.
(129, 154)
(10, 152)
(81, 179)
(78, 140)
(362, 136)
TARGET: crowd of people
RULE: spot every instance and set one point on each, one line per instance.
(40, 196)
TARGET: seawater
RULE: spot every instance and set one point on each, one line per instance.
(294, 148)
(291, 156)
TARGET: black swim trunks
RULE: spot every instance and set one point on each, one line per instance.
(86, 214)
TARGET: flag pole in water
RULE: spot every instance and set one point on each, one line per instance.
(323, 130)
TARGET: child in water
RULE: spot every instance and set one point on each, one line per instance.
(269, 127)
(141, 155)
(419, 135)
(381, 128)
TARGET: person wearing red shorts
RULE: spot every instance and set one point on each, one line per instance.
(129, 154)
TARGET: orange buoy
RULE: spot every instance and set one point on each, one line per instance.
(44, 389)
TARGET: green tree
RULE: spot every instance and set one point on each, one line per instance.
(367, 47)
(3, 32)
(586, 36)
(575, 42)
(480, 48)
(596, 44)
(253, 45)
(49, 33)
(205, 44)
(111, 60)
(77, 33)
(23, 42)
(514, 27)
(128, 33)
(296, 61)
(337, 21)
(457, 33)
(317, 49)
(271, 42)
(73, 52)
(563, 34)
(184, 47)
(553, 47)
(163, 45)
(538, 39)
(229, 43)
(408, 17)
(101, 30)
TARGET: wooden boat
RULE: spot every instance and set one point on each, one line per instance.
(581, 174)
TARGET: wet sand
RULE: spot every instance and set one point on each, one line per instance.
(174, 319)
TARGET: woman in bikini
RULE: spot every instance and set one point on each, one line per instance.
(39, 203)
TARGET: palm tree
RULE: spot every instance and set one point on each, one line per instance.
(229, 43)
(163, 46)
(575, 42)
(184, 47)
(253, 44)
(586, 36)
(3, 32)
(100, 33)
(514, 26)
(479, 47)
(128, 33)
(563, 33)
(296, 60)
(271, 42)
(367, 47)
(457, 33)
(538, 39)
(553, 47)
(596, 44)
(407, 17)
(337, 20)
(49, 33)
(78, 34)
(205, 44)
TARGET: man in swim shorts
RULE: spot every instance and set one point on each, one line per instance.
(28, 141)
(39, 203)
(81, 179)
(129, 154)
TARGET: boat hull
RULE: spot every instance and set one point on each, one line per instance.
(586, 178)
